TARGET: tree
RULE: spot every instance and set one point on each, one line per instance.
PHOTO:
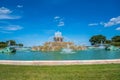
(20, 45)
(108, 41)
(116, 40)
(97, 39)
(12, 42)
(3, 45)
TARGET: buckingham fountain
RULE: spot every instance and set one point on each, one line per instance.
(58, 44)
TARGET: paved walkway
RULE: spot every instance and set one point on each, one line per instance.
(59, 62)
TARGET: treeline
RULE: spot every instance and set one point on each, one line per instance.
(11, 43)
(98, 39)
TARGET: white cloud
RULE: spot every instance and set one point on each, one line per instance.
(9, 17)
(11, 28)
(19, 6)
(112, 22)
(5, 13)
(56, 17)
(93, 24)
(4, 10)
(102, 23)
(59, 20)
(118, 28)
(61, 23)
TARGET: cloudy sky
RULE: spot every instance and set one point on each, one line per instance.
(33, 22)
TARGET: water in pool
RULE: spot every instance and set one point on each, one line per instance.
(76, 55)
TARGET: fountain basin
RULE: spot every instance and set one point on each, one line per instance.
(92, 54)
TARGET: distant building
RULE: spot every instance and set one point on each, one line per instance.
(58, 37)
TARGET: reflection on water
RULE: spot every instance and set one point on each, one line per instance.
(13, 53)
(78, 55)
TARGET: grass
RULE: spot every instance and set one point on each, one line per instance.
(71, 72)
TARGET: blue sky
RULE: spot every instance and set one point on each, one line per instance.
(33, 22)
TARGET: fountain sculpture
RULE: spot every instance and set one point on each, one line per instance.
(101, 46)
(67, 50)
(58, 44)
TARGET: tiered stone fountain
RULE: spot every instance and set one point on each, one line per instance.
(58, 44)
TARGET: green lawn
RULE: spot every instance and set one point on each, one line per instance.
(72, 72)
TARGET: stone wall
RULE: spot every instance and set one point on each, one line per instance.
(57, 46)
